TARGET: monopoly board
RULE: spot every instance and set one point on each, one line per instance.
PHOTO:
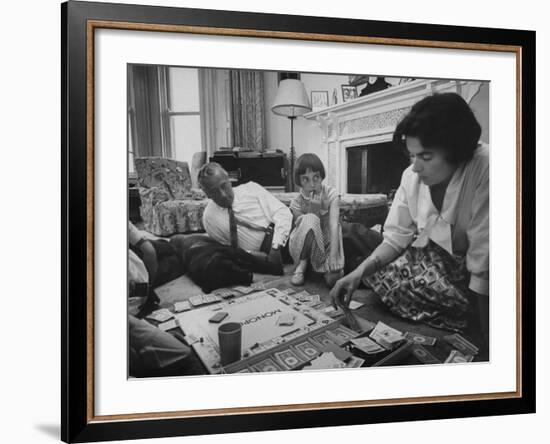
(260, 316)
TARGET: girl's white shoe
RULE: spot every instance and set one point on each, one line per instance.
(298, 278)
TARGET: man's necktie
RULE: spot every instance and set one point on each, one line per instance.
(233, 228)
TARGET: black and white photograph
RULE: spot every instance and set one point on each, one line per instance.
(267, 233)
(244, 253)
(349, 92)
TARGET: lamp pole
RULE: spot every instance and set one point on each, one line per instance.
(291, 101)
(292, 152)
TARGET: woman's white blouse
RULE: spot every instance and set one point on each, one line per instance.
(462, 226)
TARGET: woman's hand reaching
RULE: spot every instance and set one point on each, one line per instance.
(344, 288)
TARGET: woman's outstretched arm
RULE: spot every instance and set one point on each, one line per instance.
(344, 288)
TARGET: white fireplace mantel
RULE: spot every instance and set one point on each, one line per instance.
(372, 119)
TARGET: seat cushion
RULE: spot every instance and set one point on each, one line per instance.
(174, 216)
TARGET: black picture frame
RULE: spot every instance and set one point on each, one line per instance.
(349, 92)
(79, 19)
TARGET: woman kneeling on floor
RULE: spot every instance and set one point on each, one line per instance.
(433, 263)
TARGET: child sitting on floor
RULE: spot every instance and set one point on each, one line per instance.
(316, 239)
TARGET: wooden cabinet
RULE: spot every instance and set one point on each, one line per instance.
(267, 169)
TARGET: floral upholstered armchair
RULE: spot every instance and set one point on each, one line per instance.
(169, 204)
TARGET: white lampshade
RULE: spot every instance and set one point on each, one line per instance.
(291, 99)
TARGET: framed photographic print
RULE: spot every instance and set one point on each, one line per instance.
(349, 92)
(190, 305)
(319, 99)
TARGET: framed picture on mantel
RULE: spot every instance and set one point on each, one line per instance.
(349, 92)
(319, 100)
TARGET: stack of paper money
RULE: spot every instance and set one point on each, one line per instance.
(324, 361)
(203, 299)
(367, 345)
(182, 306)
(461, 344)
(160, 315)
(420, 339)
(354, 362)
(386, 336)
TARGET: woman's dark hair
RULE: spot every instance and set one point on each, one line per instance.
(308, 161)
(441, 121)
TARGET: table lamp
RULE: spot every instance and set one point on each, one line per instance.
(291, 101)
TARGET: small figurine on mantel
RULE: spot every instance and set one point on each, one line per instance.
(334, 97)
(374, 84)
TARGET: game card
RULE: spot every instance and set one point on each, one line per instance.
(302, 295)
(267, 365)
(307, 349)
(339, 352)
(312, 300)
(168, 325)
(344, 333)
(244, 290)
(226, 293)
(424, 355)
(323, 339)
(335, 338)
(289, 359)
(420, 339)
(182, 306)
(355, 362)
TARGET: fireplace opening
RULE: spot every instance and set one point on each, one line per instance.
(375, 168)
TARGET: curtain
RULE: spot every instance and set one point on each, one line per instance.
(247, 102)
(144, 111)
